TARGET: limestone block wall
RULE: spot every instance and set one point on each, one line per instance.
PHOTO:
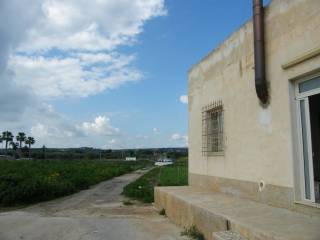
(259, 142)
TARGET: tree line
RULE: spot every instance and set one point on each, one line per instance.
(20, 138)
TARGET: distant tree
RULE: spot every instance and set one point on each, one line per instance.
(7, 137)
(44, 151)
(21, 137)
(25, 150)
(30, 141)
(1, 138)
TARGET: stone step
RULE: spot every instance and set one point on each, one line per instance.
(216, 212)
(226, 235)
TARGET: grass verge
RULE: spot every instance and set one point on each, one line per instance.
(171, 175)
(31, 181)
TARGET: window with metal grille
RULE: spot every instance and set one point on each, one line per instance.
(212, 129)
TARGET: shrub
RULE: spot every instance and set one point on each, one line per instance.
(193, 232)
(127, 203)
(31, 181)
(162, 212)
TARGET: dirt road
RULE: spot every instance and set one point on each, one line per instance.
(95, 214)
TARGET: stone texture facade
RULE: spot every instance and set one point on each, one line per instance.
(260, 144)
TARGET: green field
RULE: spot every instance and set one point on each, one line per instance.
(172, 175)
(31, 181)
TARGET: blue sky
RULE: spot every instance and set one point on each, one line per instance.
(146, 55)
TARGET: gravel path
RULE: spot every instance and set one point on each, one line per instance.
(97, 213)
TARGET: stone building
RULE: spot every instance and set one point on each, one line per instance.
(245, 151)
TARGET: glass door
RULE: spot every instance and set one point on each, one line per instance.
(307, 164)
(305, 92)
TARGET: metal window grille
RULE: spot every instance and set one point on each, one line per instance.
(212, 129)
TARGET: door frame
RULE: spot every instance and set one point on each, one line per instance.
(299, 97)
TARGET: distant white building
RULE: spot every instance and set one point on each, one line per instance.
(131, 159)
(163, 162)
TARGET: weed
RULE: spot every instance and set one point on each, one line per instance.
(127, 203)
(162, 212)
(193, 233)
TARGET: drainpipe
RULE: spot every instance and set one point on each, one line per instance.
(259, 52)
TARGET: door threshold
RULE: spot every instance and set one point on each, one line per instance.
(307, 203)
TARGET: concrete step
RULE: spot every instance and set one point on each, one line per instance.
(226, 235)
(215, 212)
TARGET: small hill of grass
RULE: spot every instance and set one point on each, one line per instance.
(170, 175)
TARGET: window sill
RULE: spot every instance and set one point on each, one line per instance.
(214, 154)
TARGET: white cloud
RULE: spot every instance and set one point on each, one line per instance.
(100, 126)
(39, 131)
(90, 25)
(13, 99)
(175, 136)
(56, 77)
(140, 136)
(184, 99)
(44, 133)
(183, 139)
(186, 140)
(156, 130)
(73, 43)
(66, 48)
(55, 130)
(50, 127)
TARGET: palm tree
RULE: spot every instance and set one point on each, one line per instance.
(21, 137)
(7, 137)
(14, 147)
(30, 141)
(1, 138)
